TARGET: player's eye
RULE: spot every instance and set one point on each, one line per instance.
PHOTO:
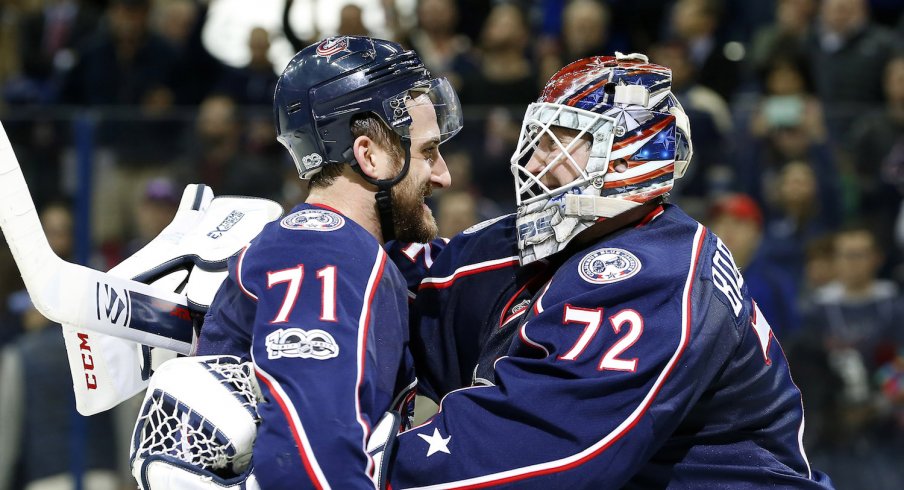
(430, 152)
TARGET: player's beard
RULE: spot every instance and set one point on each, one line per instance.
(413, 222)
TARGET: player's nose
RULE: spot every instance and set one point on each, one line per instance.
(439, 173)
(537, 163)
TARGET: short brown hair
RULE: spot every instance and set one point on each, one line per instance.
(362, 125)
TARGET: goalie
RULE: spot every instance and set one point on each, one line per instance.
(313, 302)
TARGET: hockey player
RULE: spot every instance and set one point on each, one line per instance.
(600, 337)
(313, 300)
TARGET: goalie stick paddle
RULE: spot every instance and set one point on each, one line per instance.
(68, 293)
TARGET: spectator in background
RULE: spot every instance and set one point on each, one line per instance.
(795, 216)
(180, 23)
(255, 83)
(738, 221)
(695, 23)
(711, 126)
(457, 212)
(875, 147)
(216, 156)
(847, 54)
(444, 51)
(819, 268)
(504, 84)
(787, 125)
(856, 320)
(585, 31)
(47, 43)
(37, 406)
(351, 22)
(157, 209)
(786, 36)
(126, 65)
(505, 76)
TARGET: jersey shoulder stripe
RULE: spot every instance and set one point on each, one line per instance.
(491, 247)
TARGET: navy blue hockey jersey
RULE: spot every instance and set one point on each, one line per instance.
(638, 362)
(321, 311)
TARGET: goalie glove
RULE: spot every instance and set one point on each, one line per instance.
(197, 423)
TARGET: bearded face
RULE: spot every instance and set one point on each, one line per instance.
(413, 220)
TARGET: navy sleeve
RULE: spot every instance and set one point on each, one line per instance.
(322, 313)
(414, 259)
(310, 350)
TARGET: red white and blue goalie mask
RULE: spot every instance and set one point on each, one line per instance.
(639, 143)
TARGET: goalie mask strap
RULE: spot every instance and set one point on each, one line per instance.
(603, 228)
(586, 206)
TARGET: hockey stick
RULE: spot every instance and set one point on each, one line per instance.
(68, 293)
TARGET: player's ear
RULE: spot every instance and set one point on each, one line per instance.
(367, 154)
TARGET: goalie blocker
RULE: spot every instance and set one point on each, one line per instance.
(110, 320)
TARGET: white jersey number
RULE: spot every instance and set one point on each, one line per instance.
(592, 320)
(294, 277)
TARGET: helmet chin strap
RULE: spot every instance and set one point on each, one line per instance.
(384, 192)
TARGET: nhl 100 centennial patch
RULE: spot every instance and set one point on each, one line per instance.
(313, 220)
(607, 265)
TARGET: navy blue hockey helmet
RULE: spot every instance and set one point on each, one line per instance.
(329, 83)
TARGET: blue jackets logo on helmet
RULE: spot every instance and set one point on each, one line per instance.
(332, 45)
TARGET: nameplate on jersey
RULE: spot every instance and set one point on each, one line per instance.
(303, 344)
(727, 277)
(608, 265)
(313, 220)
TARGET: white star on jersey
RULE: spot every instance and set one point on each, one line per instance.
(437, 443)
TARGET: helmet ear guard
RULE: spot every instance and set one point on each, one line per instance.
(684, 150)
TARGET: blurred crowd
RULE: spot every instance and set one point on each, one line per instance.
(797, 117)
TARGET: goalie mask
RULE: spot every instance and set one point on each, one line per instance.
(606, 135)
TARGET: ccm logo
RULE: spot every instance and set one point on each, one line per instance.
(87, 361)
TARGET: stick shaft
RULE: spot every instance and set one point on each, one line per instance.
(76, 295)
